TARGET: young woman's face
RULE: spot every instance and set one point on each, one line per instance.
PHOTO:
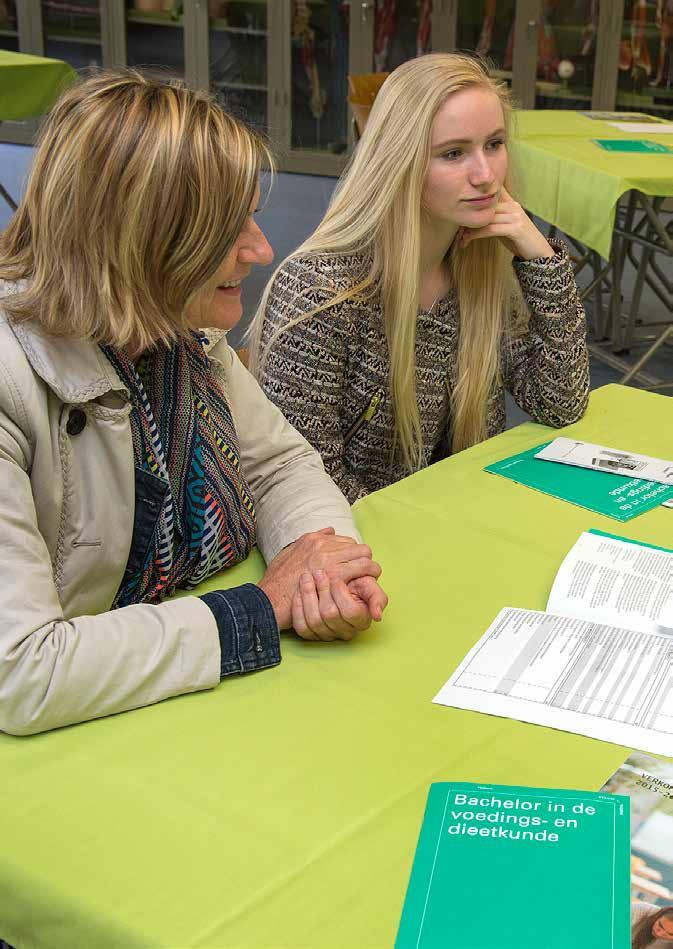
(218, 303)
(468, 161)
(662, 928)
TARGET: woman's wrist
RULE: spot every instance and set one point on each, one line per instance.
(535, 249)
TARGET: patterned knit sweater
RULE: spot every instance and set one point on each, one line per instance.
(329, 373)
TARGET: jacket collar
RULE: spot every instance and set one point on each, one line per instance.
(75, 369)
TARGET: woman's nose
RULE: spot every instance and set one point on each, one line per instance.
(255, 249)
(481, 172)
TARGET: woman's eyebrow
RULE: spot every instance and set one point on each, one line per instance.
(465, 141)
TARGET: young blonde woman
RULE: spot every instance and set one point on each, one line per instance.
(133, 461)
(389, 337)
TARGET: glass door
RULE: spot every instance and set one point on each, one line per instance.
(318, 76)
(567, 34)
(155, 36)
(72, 32)
(402, 30)
(9, 33)
(645, 78)
(238, 45)
(486, 27)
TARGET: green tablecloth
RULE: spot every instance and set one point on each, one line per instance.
(282, 809)
(29, 85)
(533, 122)
(562, 176)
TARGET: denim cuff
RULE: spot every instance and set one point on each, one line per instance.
(247, 627)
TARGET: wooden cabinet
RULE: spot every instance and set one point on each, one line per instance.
(72, 31)
(645, 58)
(9, 26)
(283, 64)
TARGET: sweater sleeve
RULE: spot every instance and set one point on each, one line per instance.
(303, 368)
(547, 368)
(293, 494)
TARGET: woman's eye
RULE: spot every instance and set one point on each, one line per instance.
(496, 143)
(453, 155)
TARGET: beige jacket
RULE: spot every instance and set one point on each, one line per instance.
(66, 520)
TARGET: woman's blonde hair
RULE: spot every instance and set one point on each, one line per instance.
(138, 190)
(376, 211)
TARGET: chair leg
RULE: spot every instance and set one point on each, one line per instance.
(641, 273)
(646, 356)
(8, 198)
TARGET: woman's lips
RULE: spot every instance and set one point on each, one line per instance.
(230, 291)
(487, 199)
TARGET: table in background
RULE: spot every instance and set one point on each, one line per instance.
(562, 176)
(282, 809)
(29, 86)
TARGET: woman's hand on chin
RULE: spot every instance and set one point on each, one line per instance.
(514, 228)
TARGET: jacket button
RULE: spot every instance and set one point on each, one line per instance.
(76, 422)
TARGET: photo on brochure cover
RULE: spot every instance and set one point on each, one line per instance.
(648, 782)
(623, 462)
(569, 451)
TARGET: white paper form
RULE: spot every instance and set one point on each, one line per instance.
(608, 683)
(567, 451)
(638, 128)
(611, 581)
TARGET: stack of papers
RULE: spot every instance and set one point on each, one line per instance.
(615, 485)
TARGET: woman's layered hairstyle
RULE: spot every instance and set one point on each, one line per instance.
(138, 190)
(376, 211)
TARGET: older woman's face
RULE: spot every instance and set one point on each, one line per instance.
(218, 303)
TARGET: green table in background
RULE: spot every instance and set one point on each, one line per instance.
(282, 809)
(562, 176)
(29, 86)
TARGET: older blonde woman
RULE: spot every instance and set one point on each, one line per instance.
(132, 461)
(389, 337)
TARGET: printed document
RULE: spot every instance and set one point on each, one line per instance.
(636, 128)
(599, 662)
(617, 583)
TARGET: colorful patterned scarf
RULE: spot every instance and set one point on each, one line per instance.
(183, 433)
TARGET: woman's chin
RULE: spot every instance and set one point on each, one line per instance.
(478, 218)
(225, 317)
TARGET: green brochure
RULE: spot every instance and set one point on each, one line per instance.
(631, 145)
(517, 868)
(617, 496)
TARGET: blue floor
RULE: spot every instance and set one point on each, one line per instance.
(288, 215)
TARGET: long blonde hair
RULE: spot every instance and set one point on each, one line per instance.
(376, 211)
(138, 190)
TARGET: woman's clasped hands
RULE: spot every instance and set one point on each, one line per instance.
(325, 586)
